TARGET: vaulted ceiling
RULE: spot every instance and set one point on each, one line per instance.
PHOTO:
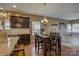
(68, 11)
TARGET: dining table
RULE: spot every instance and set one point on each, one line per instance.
(45, 38)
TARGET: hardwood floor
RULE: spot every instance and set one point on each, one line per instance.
(70, 46)
(66, 51)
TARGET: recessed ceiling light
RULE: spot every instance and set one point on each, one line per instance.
(1, 8)
(14, 6)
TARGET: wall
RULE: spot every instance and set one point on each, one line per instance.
(34, 18)
(50, 21)
(75, 21)
(55, 21)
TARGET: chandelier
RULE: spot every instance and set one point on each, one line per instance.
(44, 19)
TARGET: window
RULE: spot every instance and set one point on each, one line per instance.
(75, 28)
(69, 27)
(35, 27)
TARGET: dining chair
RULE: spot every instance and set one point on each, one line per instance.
(18, 52)
(38, 43)
(59, 45)
(55, 44)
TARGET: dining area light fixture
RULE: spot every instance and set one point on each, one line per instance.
(44, 20)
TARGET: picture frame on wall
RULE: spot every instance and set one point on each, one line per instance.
(19, 22)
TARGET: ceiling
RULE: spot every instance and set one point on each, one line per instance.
(68, 11)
